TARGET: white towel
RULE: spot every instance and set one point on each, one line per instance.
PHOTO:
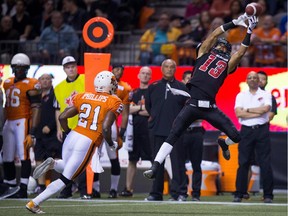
(128, 144)
(175, 91)
(96, 165)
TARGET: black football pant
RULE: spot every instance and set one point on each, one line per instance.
(214, 116)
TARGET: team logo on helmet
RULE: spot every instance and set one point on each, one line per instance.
(105, 81)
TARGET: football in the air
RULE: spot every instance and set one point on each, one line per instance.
(253, 9)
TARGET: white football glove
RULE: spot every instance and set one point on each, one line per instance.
(114, 146)
(240, 21)
(253, 20)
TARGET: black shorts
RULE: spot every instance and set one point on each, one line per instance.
(141, 148)
(45, 148)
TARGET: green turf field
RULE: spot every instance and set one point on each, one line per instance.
(213, 205)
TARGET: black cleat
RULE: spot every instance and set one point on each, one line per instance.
(126, 193)
(112, 194)
(225, 148)
(151, 173)
(8, 191)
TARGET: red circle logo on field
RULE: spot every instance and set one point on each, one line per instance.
(98, 32)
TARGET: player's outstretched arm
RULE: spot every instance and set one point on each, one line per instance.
(236, 57)
(211, 39)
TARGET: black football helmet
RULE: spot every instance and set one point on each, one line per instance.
(20, 65)
(226, 44)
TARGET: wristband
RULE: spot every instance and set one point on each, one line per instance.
(227, 26)
(140, 107)
(246, 41)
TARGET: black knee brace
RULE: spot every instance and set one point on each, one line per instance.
(115, 166)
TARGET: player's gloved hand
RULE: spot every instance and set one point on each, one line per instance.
(114, 146)
(253, 20)
(29, 141)
(240, 21)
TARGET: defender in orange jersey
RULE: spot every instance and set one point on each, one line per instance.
(96, 113)
(22, 113)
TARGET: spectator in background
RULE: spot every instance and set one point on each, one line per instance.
(263, 81)
(193, 139)
(74, 16)
(157, 44)
(141, 145)
(8, 7)
(163, 107)
(186, 44)
(43, 20)
(236, 9)
(7, 33)
(195, 8)
(47, 144)
(57, 40)
(216, 22)
(263, 3)
(175, 21)
(22, 21)
(205, 22)
(267, 50)
(105, 8)
(252, 108)
(220, 8)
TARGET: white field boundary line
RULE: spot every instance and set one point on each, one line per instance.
(137, 202)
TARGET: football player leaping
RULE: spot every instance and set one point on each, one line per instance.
(213, 64)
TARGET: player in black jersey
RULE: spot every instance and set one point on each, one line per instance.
(213, 64)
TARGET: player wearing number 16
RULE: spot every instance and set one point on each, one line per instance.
(213, 64)
(22, 113)
(96, 114)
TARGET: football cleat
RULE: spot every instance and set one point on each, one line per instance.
(7, 191)
(151, 173)
(43, 168)
(112, 194)
(34, 208)
(225, 149)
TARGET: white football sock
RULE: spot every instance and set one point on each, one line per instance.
(96, 185)
(114, 182)
(165, 149)
(51, 189)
